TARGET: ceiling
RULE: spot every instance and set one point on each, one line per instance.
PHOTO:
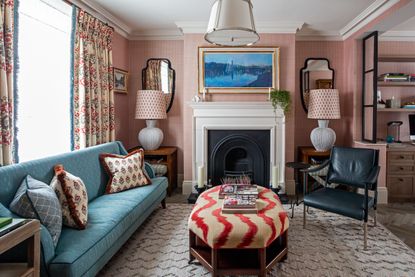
(150, 18)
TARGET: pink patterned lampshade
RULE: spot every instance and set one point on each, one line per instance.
(151, 104)
(324, 104)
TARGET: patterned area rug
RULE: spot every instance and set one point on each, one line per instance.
(331, 245)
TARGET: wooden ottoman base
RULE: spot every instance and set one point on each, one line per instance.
(246, 261)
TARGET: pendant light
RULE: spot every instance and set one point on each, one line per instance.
(231, 23)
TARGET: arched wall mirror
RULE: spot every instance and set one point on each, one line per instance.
(159, 75)
(315, 74)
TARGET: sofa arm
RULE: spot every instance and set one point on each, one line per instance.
(46, 243)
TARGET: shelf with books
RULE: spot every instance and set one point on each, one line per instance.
(398, 110)
(396, 84)
(396, 59)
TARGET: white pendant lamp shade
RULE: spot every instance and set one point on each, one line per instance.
(231, 23)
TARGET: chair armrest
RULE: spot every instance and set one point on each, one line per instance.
(373, 176)
(315, 169)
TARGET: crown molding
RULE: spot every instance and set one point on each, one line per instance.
(104, 15)
(318, 36)
(369, 14)
(398, 36)
(158, 34)
(264, 27)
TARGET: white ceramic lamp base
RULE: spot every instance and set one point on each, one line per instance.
(322, 137)
(150, 137)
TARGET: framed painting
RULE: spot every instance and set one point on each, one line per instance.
(238, 69)
(120, 80)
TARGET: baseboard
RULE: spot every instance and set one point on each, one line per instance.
(187, 187)
(382, 195)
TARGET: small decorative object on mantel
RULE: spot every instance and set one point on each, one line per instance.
(280, 98)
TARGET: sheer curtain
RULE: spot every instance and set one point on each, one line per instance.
(93, 96)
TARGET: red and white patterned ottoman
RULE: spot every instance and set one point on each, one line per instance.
(229, 244)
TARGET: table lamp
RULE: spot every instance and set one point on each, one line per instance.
(150, 105)
(323, 105)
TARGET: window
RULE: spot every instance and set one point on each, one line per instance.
(43, 80)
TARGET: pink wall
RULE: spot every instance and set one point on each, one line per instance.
(287, 81)
(333, 51)
(120, 57)
(139, 53)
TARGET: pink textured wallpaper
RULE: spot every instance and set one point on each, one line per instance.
(287, 81)
(139, 53)
(120, 53)
(333, 51)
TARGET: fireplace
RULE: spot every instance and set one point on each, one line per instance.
(250, 136)
(239, 152)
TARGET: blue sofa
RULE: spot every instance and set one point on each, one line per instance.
(112, 218)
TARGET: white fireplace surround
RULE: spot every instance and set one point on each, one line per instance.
(236, 116)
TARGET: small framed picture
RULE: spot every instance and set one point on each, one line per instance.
(120, 80)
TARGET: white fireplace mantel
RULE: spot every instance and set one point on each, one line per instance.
(236, 116)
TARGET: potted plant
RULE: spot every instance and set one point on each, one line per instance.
(280, 98)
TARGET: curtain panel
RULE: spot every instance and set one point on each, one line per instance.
(6, 82)
(93, 120)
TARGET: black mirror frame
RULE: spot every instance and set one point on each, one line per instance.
(174, 78)
(301, 78)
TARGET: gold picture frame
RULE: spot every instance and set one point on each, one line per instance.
(120, 81)
(256, 68)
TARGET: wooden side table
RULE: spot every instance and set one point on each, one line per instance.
(305, 153)
(168, 156)
(29, 231)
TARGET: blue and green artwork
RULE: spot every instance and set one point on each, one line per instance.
(236, 70)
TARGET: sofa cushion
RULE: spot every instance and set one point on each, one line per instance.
(71, 192)
(125, 172)
(35, 199)
(109, 217)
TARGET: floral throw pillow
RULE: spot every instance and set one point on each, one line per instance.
(126, 172)
(72, 194)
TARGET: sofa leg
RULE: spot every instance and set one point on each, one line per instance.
(304, 215)
(163, 203)
(365, 236)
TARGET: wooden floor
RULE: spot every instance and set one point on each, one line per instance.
(399, 218)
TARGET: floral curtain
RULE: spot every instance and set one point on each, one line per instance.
(6, 82)
(153, 75)
(93, 120)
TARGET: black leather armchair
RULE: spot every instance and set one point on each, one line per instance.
(356, 167)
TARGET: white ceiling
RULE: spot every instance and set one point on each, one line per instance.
(334, 18)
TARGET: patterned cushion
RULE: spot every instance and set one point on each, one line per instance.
(35, 199)
(125, 172)
(73, 197)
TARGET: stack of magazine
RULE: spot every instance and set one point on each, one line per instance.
(239, 198)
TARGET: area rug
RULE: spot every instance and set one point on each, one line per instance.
(331, 245)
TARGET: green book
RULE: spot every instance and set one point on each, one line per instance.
(5, 221)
